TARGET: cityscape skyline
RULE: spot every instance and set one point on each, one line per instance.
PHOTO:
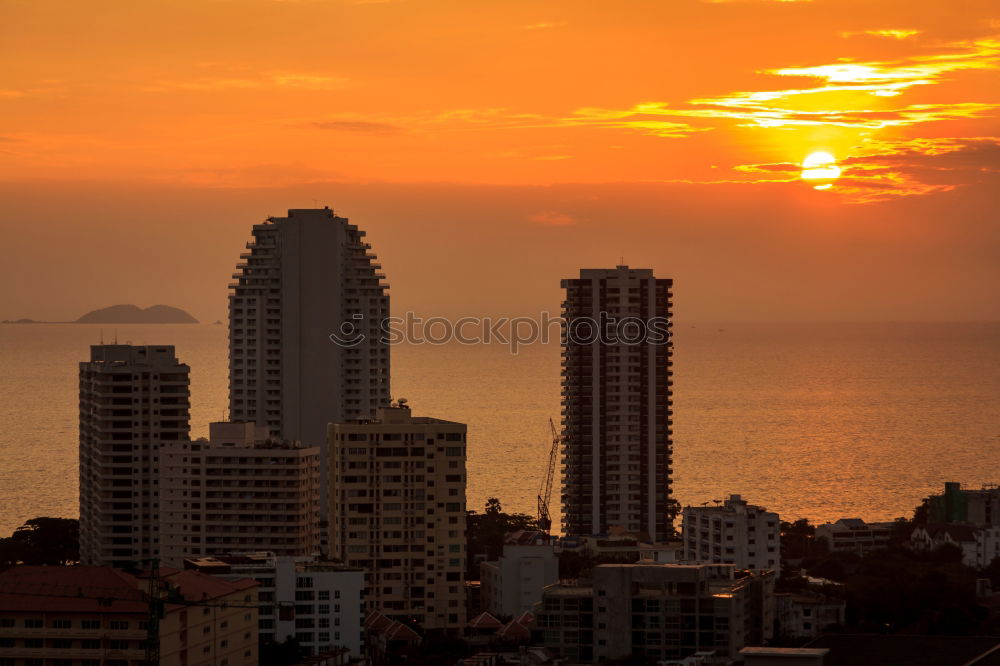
(694, 311)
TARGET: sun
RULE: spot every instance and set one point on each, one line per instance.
(820, 169)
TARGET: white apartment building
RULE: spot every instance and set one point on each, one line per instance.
(397, 510)
(133, 401)
(855, 535)
(319, 604)
(514, 583)
(239, 490)
(306, 281)
(733, 532)
(616, 403)
(979, 545)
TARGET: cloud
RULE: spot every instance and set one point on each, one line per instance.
(359, 126)
(920, 166)
(645, 118)
(552, 218)
(883, 170)
(544, 25)
(265, 80)
(782, 107)
(889, 33)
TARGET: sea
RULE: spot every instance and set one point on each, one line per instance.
(812, 420)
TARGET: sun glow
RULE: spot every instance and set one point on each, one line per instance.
(820, 168)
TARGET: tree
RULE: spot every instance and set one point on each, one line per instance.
(286, 653)
(486, 532)
(51, 541)
(798, 540)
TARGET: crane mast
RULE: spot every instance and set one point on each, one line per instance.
(545, 491)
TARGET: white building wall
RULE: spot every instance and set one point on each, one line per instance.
(735, 533)
(328, 602)
(514, 584)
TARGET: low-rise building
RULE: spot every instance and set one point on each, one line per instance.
(803, 615)
(98, 616)
(854, 535)
(514, 583)
(319, 604)
(980, 507)
(979, 545)
(656, 611)
(240, 490)
(733, 532)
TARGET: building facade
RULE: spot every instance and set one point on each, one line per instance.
(616, 403)
(397, 510)
(304, 278)
(133, 401)
(514, 583)
(801, 615)
(327, 599)
(978, 507)
(98, 616)
(239, 490)
(855, 535)
(655, 611)
(734, 532)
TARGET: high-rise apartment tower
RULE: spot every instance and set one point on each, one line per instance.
(133, 400)
(616, 403)
(305, 345)
(397, 510)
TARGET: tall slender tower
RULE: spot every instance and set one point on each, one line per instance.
(305, 345)
(133, 400)
(616, 403)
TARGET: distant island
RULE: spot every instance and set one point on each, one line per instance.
(131, 314)
(124, 314)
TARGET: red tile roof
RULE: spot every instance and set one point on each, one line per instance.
(197, 586)
(484, 621)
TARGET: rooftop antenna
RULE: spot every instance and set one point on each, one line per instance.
(102, 336)
(315, 203)
(116, 336)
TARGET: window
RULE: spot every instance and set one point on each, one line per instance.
(91, 624)
(119, 625)
(32, 624)
(62, 624)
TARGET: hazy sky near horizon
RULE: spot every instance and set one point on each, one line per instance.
(491, 148)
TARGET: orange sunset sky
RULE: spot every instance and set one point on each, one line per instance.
(491, 147)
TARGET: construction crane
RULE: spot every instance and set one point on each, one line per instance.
(545, 491)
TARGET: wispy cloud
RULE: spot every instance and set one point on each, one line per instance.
(289, 80)
(910, 167)
(359, 126)
(646, 118)
(783, 107)
(884, 170)
(544, 25)
(889, 33)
